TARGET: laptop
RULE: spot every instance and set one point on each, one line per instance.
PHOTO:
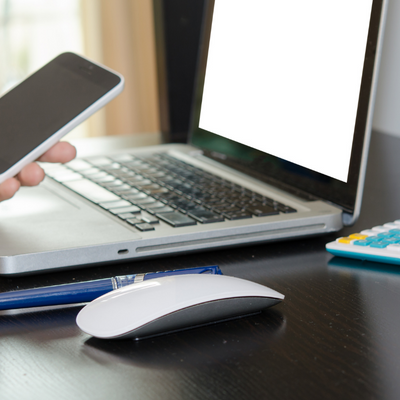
(278, 147)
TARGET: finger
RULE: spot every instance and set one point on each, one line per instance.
(8, 188)
(61, 152)
(31, 175)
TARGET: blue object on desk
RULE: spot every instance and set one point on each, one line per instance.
(83, 292)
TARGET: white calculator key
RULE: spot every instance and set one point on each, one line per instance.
(379, 228)
(391, 225)
(368, 232)
(394, 247)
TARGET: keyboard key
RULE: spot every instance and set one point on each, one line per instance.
(99, 161)
(91, 191)
(134, 221)
(128, 215)
(159, 210)
(237, 215)
(155, 204)
(67, 177)
(115, 204)
(136, 195)
(150, 219)
(78, 165)
(286, 209)
(260, 210)
(124, 189)
(205, 216)
(143, 202)
(104, 179)
(131, 209)
(115, 184)
(143, 227)
(176, 219)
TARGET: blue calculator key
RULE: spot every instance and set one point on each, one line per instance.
(386, 234)
(379, 245)
(362, 242)
(393, 239)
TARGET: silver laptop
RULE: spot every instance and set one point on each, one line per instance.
(278, 148)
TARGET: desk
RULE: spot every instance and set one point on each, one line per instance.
(336, 335)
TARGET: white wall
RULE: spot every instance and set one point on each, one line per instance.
(387, 106)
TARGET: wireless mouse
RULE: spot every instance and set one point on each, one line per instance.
(172, 303)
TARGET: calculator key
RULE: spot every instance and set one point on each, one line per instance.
(385, 235)
(379, 229)
(368, 232)
(361, 242)
(345, 240)
(374, 238)
(379, 245)
(391, 225)
(357, 236)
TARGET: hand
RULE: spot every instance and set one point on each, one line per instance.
(32, 174)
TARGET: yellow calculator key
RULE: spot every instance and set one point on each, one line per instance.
(358, 236)
(345, 240)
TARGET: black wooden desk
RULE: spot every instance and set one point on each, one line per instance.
(336, 335)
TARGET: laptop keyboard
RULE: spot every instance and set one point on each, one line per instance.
(146, 190)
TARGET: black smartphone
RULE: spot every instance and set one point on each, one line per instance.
(38, 112)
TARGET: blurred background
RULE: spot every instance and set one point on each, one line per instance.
(132, 37)
(117, 33)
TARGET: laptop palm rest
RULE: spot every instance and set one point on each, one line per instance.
(46, 219)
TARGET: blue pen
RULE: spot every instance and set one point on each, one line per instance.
(84, 292)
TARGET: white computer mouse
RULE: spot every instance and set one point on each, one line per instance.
(172, 303)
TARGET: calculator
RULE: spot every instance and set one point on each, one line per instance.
(380, 243)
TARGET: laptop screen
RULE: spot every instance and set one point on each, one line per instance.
(284, 91)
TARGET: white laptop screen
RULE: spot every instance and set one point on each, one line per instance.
(284, 77)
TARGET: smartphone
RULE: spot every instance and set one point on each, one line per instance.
(38, 112)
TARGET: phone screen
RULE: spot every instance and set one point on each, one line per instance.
(46, 101)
